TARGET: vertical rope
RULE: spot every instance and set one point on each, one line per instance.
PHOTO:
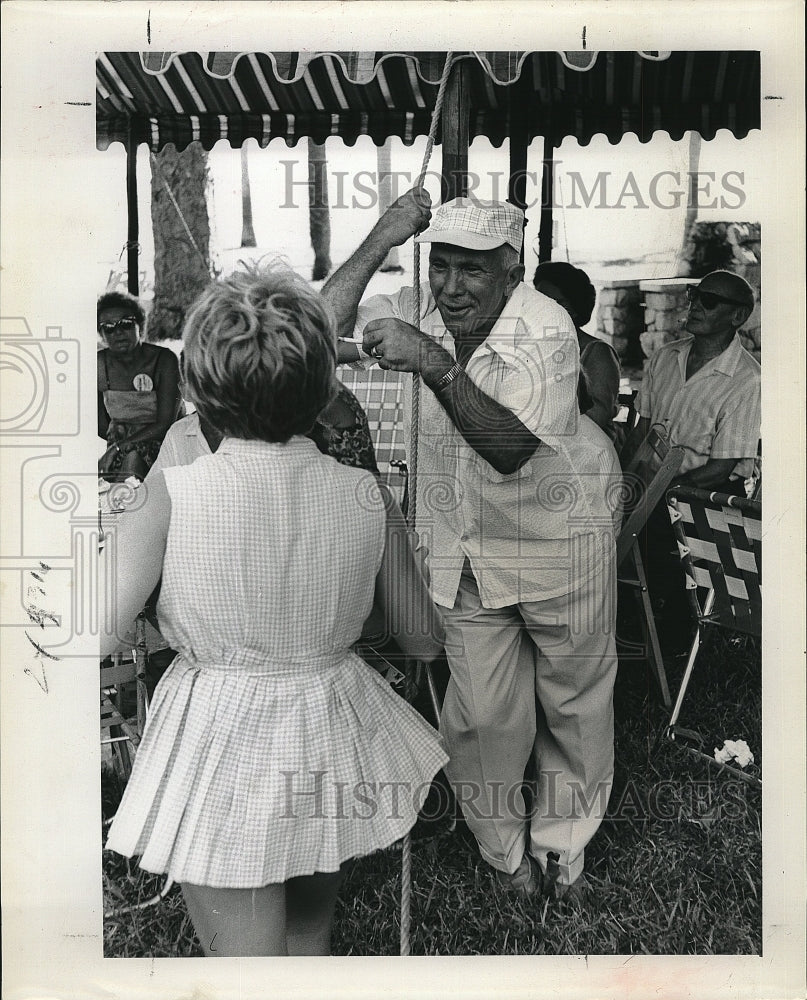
(406, 850)
(415, 416)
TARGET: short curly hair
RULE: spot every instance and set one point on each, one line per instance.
(260, 354)
(122, 300)
(575, 285)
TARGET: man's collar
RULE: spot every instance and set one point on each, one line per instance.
(726, 362)
(503, 332)
(682, 344)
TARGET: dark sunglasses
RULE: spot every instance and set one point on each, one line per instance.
(125, 325)
(710, 300)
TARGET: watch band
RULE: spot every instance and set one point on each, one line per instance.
(448, 378)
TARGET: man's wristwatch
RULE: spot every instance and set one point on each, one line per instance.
(448, 378)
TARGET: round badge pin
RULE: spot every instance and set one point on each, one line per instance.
(142, 382)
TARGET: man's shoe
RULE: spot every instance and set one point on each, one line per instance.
(576, 893)
(525, 881)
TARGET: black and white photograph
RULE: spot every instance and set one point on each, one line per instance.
(395, 590)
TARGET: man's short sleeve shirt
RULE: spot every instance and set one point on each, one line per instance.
(541, 531)
(714, 414)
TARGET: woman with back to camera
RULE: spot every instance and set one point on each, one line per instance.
(598, 388)
(138, 389)
(272, 752)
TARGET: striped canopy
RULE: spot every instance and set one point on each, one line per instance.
(170, 97)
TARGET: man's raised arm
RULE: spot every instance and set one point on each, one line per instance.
(407, 216)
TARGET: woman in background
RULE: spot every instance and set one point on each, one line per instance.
(598, 388)
(138, 389)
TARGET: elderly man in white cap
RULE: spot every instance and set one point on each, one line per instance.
(517, 502)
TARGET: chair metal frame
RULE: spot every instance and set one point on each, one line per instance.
(720, 543)
(644, 487)
(121, 731)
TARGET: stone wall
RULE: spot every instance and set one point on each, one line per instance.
(638, 317)
(665, 309)
(619, 318)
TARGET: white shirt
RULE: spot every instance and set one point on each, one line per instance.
(183, 444)
(541, 531)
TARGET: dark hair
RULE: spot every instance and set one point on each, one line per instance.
(259, 355)
(114, 300)
(575, 285)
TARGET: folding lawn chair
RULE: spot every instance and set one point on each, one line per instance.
(652, 469)
(720, 543)
(380, 394)
(124, 702)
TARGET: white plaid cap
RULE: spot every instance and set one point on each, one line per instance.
(476, 225)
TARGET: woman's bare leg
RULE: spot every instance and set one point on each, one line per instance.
(310, 902)
(238, 922)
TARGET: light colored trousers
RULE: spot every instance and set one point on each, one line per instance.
(535, 678)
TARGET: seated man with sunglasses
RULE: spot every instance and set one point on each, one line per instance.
(705, 388)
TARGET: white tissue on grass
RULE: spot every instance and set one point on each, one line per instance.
(735, 752)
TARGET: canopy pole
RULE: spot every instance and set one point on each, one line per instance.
(456, 116)
(547, 197)
(519, 143)
(133, 234)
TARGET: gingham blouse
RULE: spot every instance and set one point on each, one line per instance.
(271, 749)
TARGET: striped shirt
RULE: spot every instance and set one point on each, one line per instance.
(714, 414)
(542, 531)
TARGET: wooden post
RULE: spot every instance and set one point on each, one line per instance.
(683, 268)
(519, 143)
(455, 119)
(392, 262)
(547, 195)
(133, 231)
(247, 228)
(319, 213)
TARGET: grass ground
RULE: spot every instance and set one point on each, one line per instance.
(675, 867)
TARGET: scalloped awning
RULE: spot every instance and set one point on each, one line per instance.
(169, 97)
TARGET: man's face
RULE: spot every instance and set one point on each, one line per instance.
(709, 312)
(470, 288)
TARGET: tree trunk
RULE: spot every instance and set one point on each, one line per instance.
(384, 163)
(247, 232)
(683, 263)
(181, 236)
(319, 222)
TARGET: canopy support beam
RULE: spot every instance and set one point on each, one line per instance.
(519, 144)
(133, 234)
(547, 196)
(456, 117)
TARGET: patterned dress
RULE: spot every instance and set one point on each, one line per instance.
(348, 445)
(271, 749)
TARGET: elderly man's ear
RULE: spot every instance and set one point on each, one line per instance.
(515, 275)
(741, 314)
